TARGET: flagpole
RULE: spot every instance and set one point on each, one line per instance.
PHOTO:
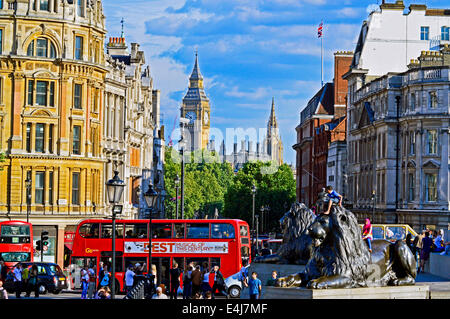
(321, 59)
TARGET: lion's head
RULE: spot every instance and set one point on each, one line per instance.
(296, 221)
(338, 246)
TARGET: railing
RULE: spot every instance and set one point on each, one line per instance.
(142, 290)
(138, 291)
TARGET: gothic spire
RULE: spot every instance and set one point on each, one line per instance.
(273, 120)
(196, 75)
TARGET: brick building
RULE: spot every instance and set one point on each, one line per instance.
(324, 111)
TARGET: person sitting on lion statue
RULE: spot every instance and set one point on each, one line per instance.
(341, 259)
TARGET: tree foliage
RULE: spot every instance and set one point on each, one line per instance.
(277, 191)
(205, 183)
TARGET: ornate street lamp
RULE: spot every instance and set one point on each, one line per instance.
(28, 186)
(114, 189)
(151, 197)
(177, 183)
(253, 212)
(373, 197)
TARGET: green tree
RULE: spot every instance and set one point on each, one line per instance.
(205, 184)
(2, 159)
(275, 190)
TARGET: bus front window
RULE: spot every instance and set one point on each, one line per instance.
(15, 234)
(15, 257)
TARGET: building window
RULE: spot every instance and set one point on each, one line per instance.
(75, 188)
(52, 95)
(80, 8)
(78, 48)
(433, 99)
(445, 34)
(50, 138)
(411, 186)
(76, 142)
(424, 33)
(412, 104)
(43, 95)
(39, 141)
(50, 188)
(41, 47)
(1, 41)
(30, 92)
(431, 187)
(39, 183)
(28, 146)
(77, 96)
(432, 141)
(412, 143)
(43, 5)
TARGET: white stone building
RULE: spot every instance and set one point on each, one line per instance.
(400, 146)
(388, 40)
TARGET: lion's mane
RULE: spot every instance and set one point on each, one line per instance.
(296, 247)
(343, 252)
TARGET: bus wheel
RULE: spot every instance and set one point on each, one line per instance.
(234, 292)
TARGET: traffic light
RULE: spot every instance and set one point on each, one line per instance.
(38, 245)
(44, 238)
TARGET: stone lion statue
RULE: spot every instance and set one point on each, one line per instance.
(341, 259)
(297, 245)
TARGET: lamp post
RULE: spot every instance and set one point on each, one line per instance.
(177, 183)
(253, 211)
(150, 198)
(262, 209)
(257, 232)
(28, 186)
(114, 189)
(374, 197)
(182, 142)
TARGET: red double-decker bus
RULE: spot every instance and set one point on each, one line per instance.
(16, 242)
(222, 242)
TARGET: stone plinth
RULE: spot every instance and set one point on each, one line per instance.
(402, 292)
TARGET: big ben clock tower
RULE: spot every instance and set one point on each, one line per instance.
(197, 110)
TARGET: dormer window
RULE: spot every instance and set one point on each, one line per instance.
(41, 47)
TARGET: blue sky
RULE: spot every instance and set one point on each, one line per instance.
(249, 52)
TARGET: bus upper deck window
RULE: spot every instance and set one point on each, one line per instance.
(161, 230)
(197, 230)
(90, 230)
(244, 231)
(178, 231)
(222, 231)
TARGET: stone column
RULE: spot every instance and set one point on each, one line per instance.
(60, 245)
(419, 157)
(17, 103)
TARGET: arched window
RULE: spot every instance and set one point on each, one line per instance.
(42, 47)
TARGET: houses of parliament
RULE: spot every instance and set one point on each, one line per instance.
(197, 109)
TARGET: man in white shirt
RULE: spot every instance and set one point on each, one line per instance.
(18, 280)
(129, 278)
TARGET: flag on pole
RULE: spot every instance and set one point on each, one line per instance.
(320, 30)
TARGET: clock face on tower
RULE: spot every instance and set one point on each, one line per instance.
(206, 118)
(191, 116)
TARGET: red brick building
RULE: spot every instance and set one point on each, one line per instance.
(320, 120)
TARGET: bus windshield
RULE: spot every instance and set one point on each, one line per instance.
(15, 230)
(15, 257)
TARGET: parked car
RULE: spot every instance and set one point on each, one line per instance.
(234, 285)
(50, 278)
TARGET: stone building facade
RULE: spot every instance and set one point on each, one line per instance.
(374, 87)
(52, 73)
(321, 124)
(400, 145)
